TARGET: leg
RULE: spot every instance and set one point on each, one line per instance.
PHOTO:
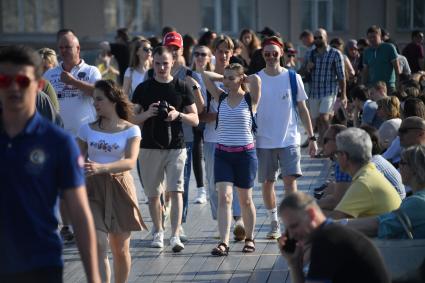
(248, 211)
(197, 157)
(225, 197)
(269, 195)
(120, 247)
(155, 212)
(324, 126)
(187, 171)
(176, 212)
(102, 255)
(290, 184)
(209, 149)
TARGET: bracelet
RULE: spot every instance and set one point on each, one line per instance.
(312, 138)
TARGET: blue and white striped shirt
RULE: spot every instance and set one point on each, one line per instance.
(234, 124)
(327, 71)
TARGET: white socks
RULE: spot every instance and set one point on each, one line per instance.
(273, 214)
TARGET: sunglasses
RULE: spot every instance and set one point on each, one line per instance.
(197, 54)
(318, 37)
(147, 49)
(274, 54)
(21, 80)
(402, 131)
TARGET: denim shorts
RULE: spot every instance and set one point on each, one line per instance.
(239, 168)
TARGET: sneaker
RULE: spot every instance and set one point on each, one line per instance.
(183, 236)
(239, 231)
(202, 196)
(274, 232)
(176, 244)
(67, 235)
(158, 240)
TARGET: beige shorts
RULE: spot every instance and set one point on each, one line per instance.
(155, 164)
(322, 105)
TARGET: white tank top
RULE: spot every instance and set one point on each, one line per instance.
(234, 124)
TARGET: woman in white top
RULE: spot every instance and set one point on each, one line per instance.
(111, 146)
(389, 111)
(235, 162)
(140, 63)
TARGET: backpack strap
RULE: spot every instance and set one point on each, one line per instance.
(294, 90)
(248, 100)
(220, 100)
(189, 73)
(208, 101)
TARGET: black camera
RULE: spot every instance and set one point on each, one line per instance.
(163, 109)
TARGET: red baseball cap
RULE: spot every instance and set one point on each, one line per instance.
(173, 38)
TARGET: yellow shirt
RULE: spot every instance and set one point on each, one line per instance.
(369, 194)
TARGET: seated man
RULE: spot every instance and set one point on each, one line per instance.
(337, 254)
(370, 193)
(390, 225)
(335, 190)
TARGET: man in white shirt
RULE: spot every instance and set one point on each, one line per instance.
(278, 137)
(73, 81)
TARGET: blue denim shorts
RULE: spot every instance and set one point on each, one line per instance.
(239, 168)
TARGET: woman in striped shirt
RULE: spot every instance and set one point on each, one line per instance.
(235, 155)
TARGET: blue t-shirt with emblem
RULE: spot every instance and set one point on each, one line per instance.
(35, 166)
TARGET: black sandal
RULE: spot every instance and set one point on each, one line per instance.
(247, 248)
(218, 251)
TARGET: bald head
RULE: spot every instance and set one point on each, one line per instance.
(69, 49)
(320, 38)
(412, 131)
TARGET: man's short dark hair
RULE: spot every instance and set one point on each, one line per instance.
(160, 50)
(22, 55)
(306, 33)
(167, 29)
(416, 33)
(64, 31)
(123, 34)
(360, 92)
(374, 29)
(296, 201)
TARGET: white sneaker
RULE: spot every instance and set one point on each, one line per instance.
(183, 236)
(202, 196)
(158, 240)
(176, 244)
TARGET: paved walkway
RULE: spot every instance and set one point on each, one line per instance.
(195, 263)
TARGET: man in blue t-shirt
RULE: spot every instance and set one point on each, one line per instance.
(38, 161)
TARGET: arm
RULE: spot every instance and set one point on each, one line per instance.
(190, 116)
(199, 99)
(211, 87)
(396, 66)
(254, 82)
(294, 260)
(141, 117)
(335, 214)
(368, 225)
(207, 117)
(83, 147)
(87, 88)
(330, 201)
(305, 118)
(125, 164)
(340, 71)
(83, 224)
(126, 86)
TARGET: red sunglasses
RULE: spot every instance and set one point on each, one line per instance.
(21, 80)
(275, 54)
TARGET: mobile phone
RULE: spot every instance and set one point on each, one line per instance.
(290, 244)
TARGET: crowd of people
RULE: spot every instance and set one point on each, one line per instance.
(232, 109)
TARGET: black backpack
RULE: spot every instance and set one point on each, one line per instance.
(248, 100)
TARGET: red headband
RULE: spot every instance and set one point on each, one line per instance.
(272, 41)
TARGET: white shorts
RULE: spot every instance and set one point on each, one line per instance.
(322, 105)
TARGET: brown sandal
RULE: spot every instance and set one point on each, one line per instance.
(218, 251)
(248, 248)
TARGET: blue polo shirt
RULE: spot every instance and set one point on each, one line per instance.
(35, 166)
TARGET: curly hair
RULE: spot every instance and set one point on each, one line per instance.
(115, 94)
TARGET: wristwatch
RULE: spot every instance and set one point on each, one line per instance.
(312, 138)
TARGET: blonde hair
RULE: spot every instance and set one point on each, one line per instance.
(380, 86)
(210, 66)
(391, 106)
(135, 46)
(223, 38)
(48, 56)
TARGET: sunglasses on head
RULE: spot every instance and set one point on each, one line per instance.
(274, 54)
(202, 54)
(6, 81)
(147, 49)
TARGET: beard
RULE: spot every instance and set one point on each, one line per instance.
(319, 44)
